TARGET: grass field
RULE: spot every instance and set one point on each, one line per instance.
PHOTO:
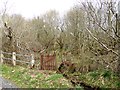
(28, 78)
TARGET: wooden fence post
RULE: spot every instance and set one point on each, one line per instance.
(14, 58)
(32, 61)
(41, 62)
(1, 57)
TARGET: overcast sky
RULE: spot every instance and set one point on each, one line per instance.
(31, 8)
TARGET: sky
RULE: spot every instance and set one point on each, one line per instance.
(32, 8)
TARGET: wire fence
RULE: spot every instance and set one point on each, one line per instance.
(14, 59)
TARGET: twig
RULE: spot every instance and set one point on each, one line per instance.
(101, 42)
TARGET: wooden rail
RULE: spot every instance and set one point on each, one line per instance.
(13, 59)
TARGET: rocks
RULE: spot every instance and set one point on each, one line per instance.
(67, 68)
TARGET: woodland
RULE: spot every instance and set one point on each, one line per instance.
(87, 35)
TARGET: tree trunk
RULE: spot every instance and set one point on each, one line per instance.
(118, 18)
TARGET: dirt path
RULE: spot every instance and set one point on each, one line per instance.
(4, 83)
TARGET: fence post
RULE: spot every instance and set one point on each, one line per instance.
(32, 61)
(14, 58)
(41, 62)
(1, 57)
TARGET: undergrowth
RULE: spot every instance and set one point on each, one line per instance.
(101, 78)
(28, 78)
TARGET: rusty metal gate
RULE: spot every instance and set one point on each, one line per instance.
(48, 62)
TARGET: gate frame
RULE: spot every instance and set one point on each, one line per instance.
(48, 60)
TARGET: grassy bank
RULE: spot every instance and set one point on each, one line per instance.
(103, 79)
(27, 78)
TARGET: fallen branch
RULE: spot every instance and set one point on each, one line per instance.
(101, 43)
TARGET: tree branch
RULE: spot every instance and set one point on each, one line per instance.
(101, 42)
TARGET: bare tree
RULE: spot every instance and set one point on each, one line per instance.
(102, 27)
